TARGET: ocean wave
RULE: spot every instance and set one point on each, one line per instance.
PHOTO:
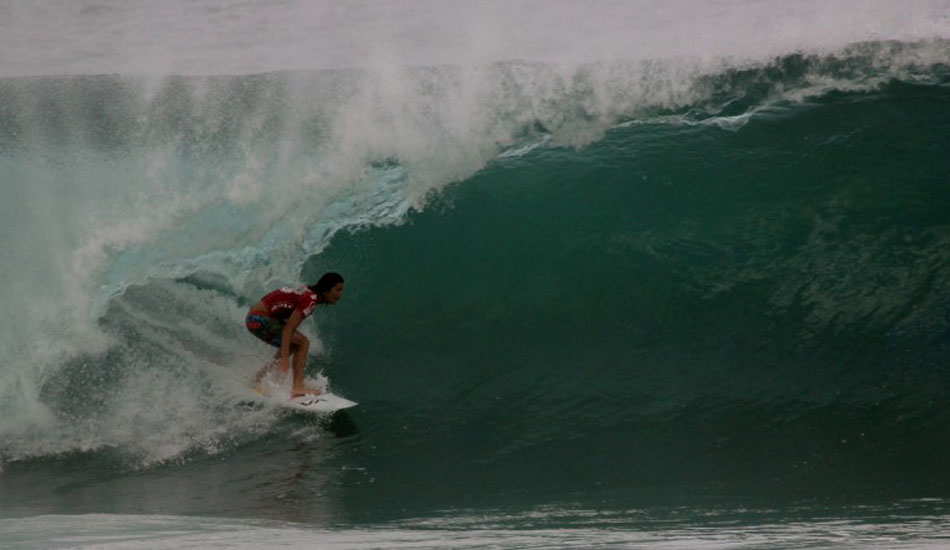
(122, 183)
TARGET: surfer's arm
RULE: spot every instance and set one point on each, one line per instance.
(285, 339)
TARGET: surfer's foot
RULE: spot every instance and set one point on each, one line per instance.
(306, 391)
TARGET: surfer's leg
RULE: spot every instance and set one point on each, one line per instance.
(301, 347)
(269, 330)
(267, 368)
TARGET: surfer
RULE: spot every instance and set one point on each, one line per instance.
(276, 317)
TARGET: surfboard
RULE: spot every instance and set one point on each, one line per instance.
(325, 402)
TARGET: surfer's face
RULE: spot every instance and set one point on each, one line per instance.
(333, 295)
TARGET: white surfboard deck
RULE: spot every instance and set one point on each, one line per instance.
(325, 402)
(322, 403)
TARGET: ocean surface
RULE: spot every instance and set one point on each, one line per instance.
(618, 274)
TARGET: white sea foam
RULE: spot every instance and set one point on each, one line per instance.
(133, 532)
(181, 37)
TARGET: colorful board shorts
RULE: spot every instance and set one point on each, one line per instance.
(266, 328)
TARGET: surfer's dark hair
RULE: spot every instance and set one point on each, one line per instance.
(326, 283)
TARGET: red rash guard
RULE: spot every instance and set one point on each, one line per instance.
(282, 302)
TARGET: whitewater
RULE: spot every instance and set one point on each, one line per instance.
(675, 267)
